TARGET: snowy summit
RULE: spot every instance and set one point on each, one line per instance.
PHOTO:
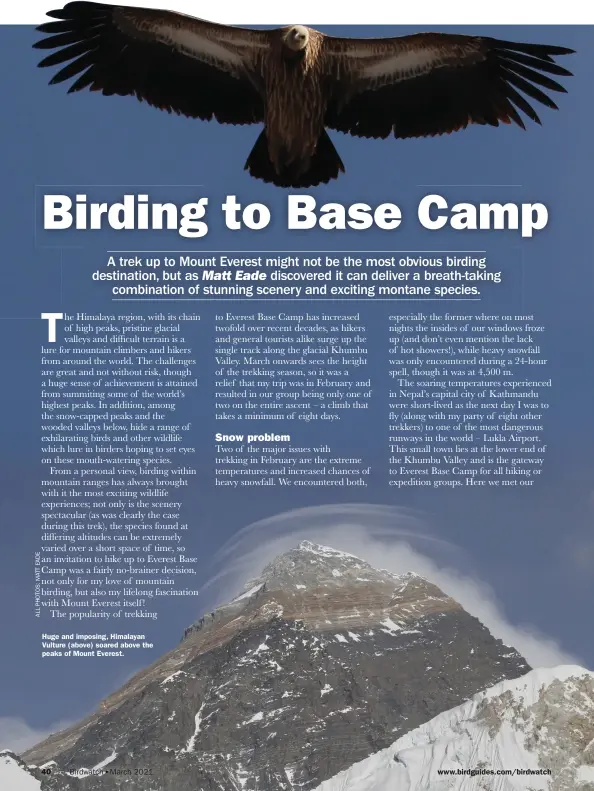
(14, 774)
(319, 672)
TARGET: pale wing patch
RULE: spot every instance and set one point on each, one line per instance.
(198, 46)
(241, 38)
(198, 41)
(365, 52)
(403, 65)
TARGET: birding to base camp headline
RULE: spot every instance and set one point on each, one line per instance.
(138, 212)
(299, 82)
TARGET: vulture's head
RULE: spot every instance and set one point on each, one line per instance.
(296, 38)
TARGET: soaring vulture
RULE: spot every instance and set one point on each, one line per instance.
(298, 81)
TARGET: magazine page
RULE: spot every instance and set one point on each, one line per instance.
(296, 415)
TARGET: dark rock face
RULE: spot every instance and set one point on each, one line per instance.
(323, 661)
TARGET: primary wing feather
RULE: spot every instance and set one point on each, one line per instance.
(172, 61)
(434, 83)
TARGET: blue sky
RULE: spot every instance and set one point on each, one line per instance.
(534, 548)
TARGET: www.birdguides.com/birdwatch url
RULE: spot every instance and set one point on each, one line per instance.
(138, 212)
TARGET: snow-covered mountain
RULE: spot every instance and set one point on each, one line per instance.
(14, 774)
(541, 727)
(320, 662)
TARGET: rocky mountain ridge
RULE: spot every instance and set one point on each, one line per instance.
(320, 661)
(528, 734)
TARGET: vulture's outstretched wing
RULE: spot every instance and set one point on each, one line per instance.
(172, 61)
(435, 83)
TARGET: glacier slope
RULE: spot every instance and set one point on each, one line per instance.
(540, 726)
(14, 775)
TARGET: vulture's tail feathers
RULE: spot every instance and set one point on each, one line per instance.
(324, 165)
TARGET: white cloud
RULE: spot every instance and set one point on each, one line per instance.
(391, 538)
(17, 735)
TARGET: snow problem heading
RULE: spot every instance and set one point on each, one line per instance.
(434, 212)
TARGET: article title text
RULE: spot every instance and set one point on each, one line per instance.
(190, 220)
